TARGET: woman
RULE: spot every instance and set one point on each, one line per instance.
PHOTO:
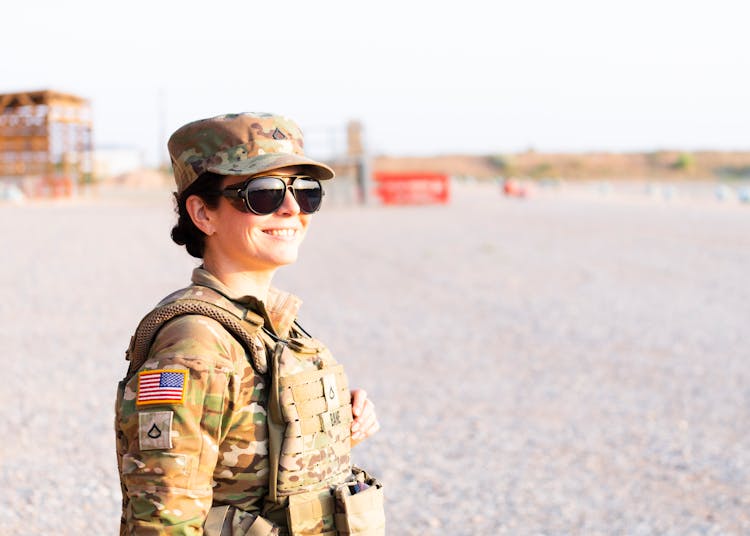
(232, 419)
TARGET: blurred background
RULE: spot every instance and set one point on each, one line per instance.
(534, 257)
(539, 90)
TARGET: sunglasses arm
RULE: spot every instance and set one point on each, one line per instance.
(232, 193)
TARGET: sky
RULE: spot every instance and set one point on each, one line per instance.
(424, 78)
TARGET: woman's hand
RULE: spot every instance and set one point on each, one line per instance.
(365, 422)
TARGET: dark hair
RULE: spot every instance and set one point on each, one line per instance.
(208, 187)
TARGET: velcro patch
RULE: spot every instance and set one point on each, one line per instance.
(155, 430)
(330, 419)
(331, 391)
(164, 386)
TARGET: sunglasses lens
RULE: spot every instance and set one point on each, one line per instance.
(265, 195)
(309, 194)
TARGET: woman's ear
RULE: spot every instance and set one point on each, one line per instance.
(202, 216)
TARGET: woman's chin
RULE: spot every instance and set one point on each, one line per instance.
(283, 258)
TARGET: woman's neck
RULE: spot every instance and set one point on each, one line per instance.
(241, 282)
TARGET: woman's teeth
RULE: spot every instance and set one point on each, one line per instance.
(281, 232)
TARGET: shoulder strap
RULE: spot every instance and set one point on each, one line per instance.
(242, 323)
(275, 421)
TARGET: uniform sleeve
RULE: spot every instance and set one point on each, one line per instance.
(171, 416)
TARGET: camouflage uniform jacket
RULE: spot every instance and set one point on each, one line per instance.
(201, 438)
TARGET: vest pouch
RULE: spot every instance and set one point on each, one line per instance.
(225, 520)
(311, 514)
(359, 506)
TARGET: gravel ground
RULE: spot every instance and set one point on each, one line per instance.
(572, 363)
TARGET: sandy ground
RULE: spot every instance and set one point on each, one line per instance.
(572, 363)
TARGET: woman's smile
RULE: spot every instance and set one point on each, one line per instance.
(282, 233)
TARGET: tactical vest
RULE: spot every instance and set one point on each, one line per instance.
(313, 488)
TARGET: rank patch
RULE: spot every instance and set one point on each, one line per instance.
(155, 430)
(166, 386)
(331, 391)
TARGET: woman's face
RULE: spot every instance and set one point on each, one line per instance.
(251, 242)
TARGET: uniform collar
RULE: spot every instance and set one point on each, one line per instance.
(280, 309)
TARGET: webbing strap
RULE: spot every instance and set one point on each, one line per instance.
(314, 407)
(310, 376)
(244, 329)
(335, 418)
(315, 389)
(260, 527)
(214, 523)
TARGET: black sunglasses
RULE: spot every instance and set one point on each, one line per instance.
(264, 195)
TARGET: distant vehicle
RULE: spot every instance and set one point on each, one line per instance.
(514, 188)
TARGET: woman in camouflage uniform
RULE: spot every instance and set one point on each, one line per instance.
(192, 414)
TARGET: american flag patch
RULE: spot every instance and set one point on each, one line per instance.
(161, 386)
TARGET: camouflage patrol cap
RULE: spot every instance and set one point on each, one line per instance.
(239, 144)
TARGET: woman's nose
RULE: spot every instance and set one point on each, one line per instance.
(289, 207)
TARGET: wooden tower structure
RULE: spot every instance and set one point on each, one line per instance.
(45, 136)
